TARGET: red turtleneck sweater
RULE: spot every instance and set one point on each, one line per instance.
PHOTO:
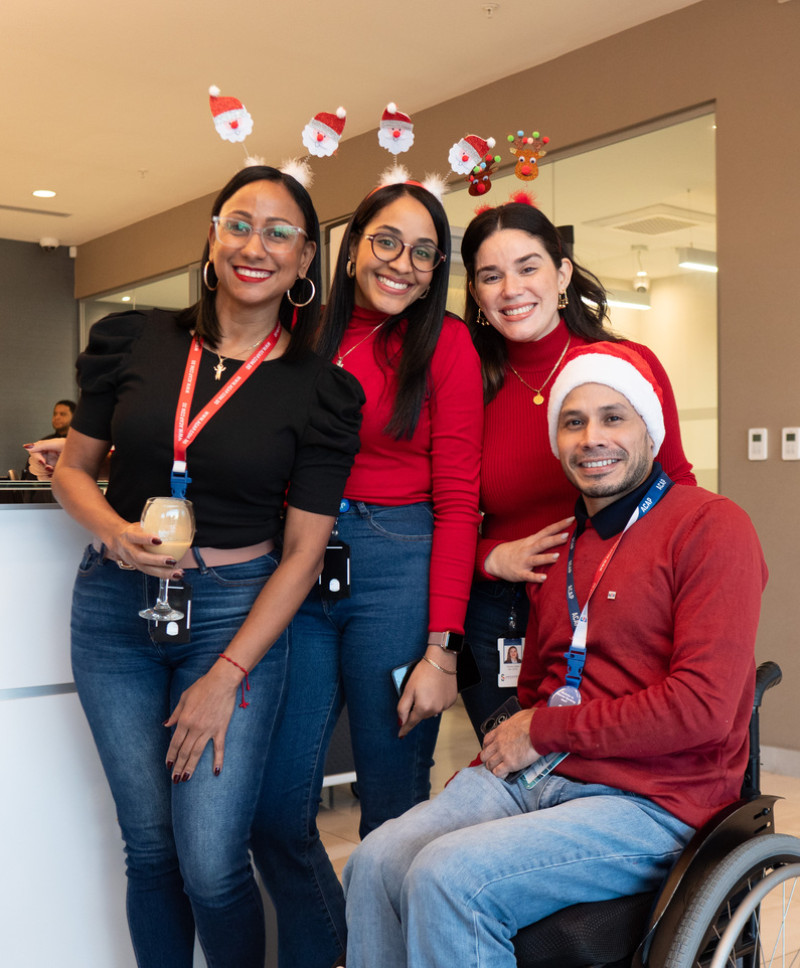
(523, 488)
(440, 463)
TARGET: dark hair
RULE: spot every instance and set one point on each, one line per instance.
(65, 403)
(202, 317)
(423, 317)
(582, 319)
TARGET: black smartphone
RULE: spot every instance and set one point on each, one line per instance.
(400, 675)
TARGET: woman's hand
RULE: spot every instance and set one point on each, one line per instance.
(516, 560)
(203, 713)
(43, 455)
(428, 691)
(136, 548)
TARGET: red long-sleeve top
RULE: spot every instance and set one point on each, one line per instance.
(441, 461)
(667, 687)
(523, 488)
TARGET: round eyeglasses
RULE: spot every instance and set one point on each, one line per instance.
(236, 233)
(424, 256)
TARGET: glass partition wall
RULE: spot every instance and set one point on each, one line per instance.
(638, 205)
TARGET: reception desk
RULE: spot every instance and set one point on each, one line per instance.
(62, 880)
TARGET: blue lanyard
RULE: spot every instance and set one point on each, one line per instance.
(576, 656)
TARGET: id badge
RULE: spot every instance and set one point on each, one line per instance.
(180, 597)
(334, 582)
(510, 652)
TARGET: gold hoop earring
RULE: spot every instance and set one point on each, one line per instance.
(481, 320)
(563, 301)
(300, 305)
(424, 295)
(350, 269)
(205, 276)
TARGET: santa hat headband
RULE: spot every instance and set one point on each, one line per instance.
(611, 365)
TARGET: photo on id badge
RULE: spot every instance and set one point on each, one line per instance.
(510, 653)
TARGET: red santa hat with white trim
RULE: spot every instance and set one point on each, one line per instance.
(322, 133)
(611, 365)
(469, 153)
(231, 118)
(396, 132)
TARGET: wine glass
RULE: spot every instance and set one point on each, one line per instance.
(172, 519)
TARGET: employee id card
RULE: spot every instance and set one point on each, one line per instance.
(510, 653)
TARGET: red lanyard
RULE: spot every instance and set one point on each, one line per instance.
(184, 435)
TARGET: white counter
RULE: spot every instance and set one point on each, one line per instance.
(62, 878)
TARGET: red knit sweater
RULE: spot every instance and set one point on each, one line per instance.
(668, 683)
(440, 463)
(523, 488)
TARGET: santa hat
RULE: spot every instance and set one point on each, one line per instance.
(469, 153)
(612, 365)
(395, 132)
(231, 119)
(321, 127)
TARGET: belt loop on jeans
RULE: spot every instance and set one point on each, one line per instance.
(201, 565)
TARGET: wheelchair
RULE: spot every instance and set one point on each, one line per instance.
(727, 901)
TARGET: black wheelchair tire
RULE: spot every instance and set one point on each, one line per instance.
(709, 911)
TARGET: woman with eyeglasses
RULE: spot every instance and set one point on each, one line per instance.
(408, 525)
(227, 400)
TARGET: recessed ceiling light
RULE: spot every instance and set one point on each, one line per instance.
(126, 299)
(44, 193)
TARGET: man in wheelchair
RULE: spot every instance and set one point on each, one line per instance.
(636, 691)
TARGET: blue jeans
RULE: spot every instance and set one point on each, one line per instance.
(344, 651)
(186, 845)
(497, 609)
(452, 881)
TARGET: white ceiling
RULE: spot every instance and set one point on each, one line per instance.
(106, 103)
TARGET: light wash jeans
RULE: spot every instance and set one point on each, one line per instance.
(186, 845)
(345, 651)
(453, 880)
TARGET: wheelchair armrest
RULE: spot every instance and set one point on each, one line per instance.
(732, 826)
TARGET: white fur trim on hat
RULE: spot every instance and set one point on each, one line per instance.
(610, 371)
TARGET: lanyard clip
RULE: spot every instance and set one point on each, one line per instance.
(179, 480)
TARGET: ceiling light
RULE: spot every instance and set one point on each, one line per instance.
(702, 260)
(627, 299)
(44, 193)
(125, 299)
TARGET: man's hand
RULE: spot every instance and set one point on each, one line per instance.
(508, 746)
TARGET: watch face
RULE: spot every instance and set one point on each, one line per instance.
(453, 641)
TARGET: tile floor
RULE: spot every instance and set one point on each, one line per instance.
(338, 823)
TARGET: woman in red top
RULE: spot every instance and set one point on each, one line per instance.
(526, 305)
(409, 519)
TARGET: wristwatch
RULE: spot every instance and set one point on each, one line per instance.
(448, 641)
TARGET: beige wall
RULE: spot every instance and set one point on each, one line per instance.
(740, 54)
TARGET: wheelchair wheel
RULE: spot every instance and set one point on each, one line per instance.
(761, 940)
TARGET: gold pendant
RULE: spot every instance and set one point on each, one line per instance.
(538, 399)
(219, 369)
(340, 361)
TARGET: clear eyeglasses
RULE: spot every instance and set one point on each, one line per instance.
(424, 256)
(276, 236)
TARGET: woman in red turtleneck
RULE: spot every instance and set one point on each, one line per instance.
(527, 304)
(410, 520)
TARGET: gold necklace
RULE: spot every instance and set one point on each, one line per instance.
(340, 357)
(220, 368)
(538, 399)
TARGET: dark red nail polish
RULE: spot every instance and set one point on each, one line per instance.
(170, 561)
(170, 764)
(185, 777)
(176, 779)
(217, 770)
(156, 541)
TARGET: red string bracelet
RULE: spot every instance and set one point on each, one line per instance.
(245, 681)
